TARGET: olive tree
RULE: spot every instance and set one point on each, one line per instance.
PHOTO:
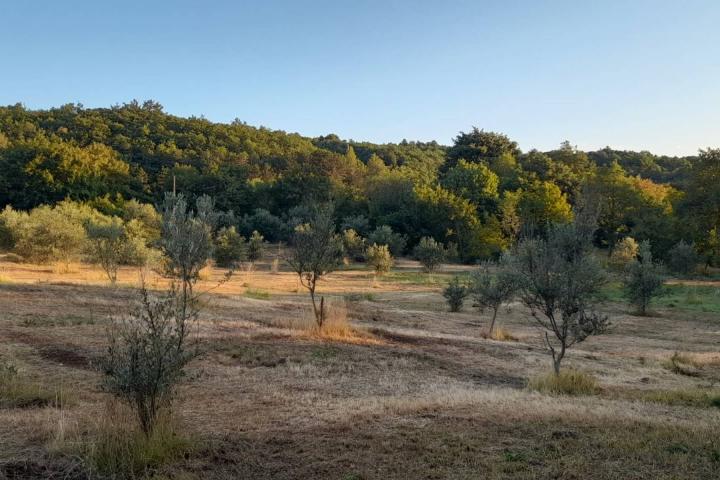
(379, 258)
(682, 259)
(643, 279)
(558, 279)
(147, 354)
(230, 247)
(186, 240)
(430, 254)
(492, 286)
(455, 294)
(107, 245)
(316, 250)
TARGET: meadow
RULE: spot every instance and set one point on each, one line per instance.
(397, 388)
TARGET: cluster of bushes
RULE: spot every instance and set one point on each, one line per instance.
(71, 231)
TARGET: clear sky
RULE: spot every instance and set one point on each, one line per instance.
(638, 74)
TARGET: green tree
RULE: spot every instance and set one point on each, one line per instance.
(315, 251)
(643, 279)
(379, 258)
(230, 247)
(492, 286)
(429, 253)
(558, 277)
(455, 294)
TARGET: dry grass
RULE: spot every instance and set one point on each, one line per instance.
(499, 334)
(274, 398)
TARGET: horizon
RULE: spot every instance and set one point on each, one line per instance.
(640, 77)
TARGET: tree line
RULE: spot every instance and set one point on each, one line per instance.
(477, 197)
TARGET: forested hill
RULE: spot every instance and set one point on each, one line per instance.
(481, 184)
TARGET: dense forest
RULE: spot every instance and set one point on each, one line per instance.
(479, 194)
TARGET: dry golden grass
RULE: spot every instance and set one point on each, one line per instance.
(422, 396)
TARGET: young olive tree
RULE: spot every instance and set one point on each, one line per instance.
(187, 240)
(230, 248)
(455, 294)
(256, 247)
(643, 279)
(682, 259)
(316, 250)
(379, 258)
(148, 351)
(558, 279)
(492, 290)
(430, 254)
(107, 245)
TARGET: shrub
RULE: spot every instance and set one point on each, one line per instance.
(315, 251)
(49, 234)
(230, 248)
(359, 223)
(492, 291)
(384, 235)
(455, 294)
(624, 252)
(270, 226)
(354, 245)
(256, 247)
(682, 259)
(148, 352)
(429, 253)
(379, 258)
(567, 382)
(643, 280)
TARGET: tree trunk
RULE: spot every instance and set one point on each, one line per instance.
(557, 358)
(492, 323)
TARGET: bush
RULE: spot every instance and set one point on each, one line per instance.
(49, 234)
(354, 245)
(270, 226)
(624, 252)
(379, 258)
(147, 354)
(230, 248)
(359, 223)
(384, 235)
(567, 382)
(256, 247)
(643, 280)
(682, 259)
(455, 294)
(429, 253)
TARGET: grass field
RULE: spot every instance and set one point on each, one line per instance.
(412, 392)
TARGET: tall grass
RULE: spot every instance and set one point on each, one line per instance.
(119, 449)
(568, 382)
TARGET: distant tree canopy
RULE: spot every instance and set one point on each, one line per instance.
(478, 194)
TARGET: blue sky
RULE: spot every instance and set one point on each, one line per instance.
(639, 74)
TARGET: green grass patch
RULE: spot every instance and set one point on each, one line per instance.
(699, 298)
(419, 278)
(359, 297)
(257, 294)
(698, 397)
(568, 382)
(18, 392)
